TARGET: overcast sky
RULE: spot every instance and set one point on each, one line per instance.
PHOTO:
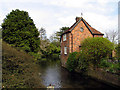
(54, 14)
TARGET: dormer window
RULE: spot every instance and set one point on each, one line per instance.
(64, 37)
(81, 29)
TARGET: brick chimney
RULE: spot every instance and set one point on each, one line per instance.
(77, 19)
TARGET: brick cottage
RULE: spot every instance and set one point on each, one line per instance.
(71, 39)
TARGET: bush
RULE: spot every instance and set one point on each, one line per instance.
(82, 63)
(37, 56)
(118, 51)
(72, 61)
(104, 63)
(55, 56)
(18, 69)
(109, 66)
(96, 48)
(113, 68)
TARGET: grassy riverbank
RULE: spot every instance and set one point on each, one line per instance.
(18, 69)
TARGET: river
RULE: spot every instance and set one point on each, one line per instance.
(52, 73)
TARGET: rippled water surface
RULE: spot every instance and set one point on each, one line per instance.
(52, 73)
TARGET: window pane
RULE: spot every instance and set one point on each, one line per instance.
(64, 37)
(65, 50)
(81, 29)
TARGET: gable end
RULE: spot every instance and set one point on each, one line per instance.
(81, 19)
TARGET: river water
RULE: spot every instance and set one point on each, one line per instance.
(52, 73)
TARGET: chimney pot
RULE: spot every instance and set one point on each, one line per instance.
(77, 19)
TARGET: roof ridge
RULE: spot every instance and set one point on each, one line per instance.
(91, 29)
(86, 22)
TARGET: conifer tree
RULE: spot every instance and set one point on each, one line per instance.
(19, 30)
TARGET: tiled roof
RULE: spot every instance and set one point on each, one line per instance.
(92, 30)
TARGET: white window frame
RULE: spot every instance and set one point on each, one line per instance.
(65, 50)
(64, 37)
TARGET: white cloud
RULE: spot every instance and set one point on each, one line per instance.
(101, 22)
(1, 16)
(16, 1)
(77, 3)
(54, 14)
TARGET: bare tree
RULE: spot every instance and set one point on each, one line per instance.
(44, 41)
(42, 32)
(112, 35)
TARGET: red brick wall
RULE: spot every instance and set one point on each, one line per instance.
(64, 44)
(79, 36)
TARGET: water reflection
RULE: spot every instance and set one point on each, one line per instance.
(52, 73)
(52, 76)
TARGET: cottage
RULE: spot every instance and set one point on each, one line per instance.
(71, 39)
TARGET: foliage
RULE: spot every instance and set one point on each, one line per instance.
(82, 62)
(18, 69)
(118, 50)
(52, 50)
(109, 65)
(37, 57)
(44, 44)
(104, 63)
(0, 33)
(63, 29)
(19, 30)
(55, 56)
(114, 68)
(42, 32)
(72, 61)
(96, 48)
(55, 37)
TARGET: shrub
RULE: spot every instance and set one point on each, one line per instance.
(109, 66)
(96, 48)
(18, 69)
(113, 68)
(118, 51)
(104, 63)
(37, 57)
(72, 61)
(55, 56)
(82, 62)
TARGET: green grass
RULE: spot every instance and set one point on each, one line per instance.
(18, 69)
